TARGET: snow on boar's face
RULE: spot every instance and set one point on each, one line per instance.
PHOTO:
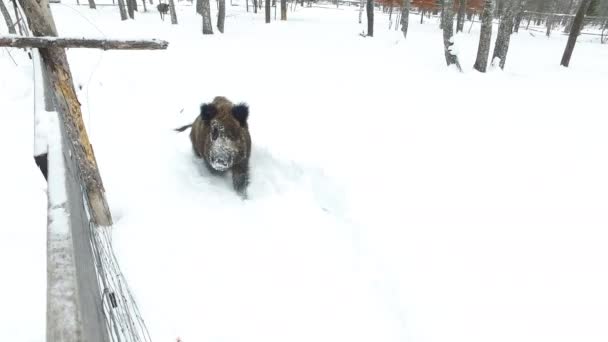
(225, 134)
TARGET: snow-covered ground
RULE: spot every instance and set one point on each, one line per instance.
(392, 199)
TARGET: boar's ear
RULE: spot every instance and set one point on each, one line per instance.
(208, 111)
(241, 113)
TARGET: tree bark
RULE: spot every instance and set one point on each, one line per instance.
(462, 7)
(173, 12)
(221, 15)
(283, 9)
(55, 60)
(207, 26)
(550, 17)
(405, 14)
(267, 11)
(504, 35)
(520, 13)
(199, 7)
(370, 18)
(54, 42)
(7, 18)
(577, 26)
(130, 9)
(485, 37)
(122, 9)
(255, 6)
(448, 34)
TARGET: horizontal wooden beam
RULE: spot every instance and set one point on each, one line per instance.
(104, 44)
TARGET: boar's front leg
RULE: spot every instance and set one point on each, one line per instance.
(240, 178)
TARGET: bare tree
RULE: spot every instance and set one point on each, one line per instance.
(577, 26)
(207, 27)
(7, 18)
(221, 15)
(122, 10)
(283, 9)
(448, 34)
(405, 14)
(267, 11)
(370, 18)
(130, 9)
(485, 37)
(173, 12)
(462, 7)
(549, 23)
(520, 13)
(361, 5)
(504, 35)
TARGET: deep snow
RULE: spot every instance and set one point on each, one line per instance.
(433, 206)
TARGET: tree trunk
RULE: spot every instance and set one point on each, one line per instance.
(69, 109)
(550, 17)
(405, 14)
(221, 15)
(370, 18)
(255, 6)
(461, 15)
(361, 5)
(283, 9)
(7, 18)
(577, 26)
(207, 26)
(199, 7)
(421, 17)
(448, 34)
(134, 2)
(122, 10)
(247, 5)
(143, 2)
(173, 12)
(504, 35)
(485, 37)
(92, 4)
(130, 9)
(267, 11)
(520, 13)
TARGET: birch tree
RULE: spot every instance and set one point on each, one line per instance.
(485, 37)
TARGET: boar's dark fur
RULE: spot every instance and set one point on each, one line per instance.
(220, 136)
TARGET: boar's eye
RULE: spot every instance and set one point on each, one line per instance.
(214, 133)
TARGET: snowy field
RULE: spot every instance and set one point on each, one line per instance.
(391, 199)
